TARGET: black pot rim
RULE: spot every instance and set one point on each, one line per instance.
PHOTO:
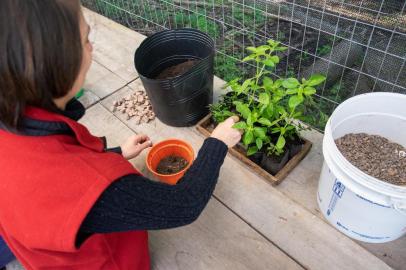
(201, 60)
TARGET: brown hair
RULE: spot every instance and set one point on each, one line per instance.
(40, 54)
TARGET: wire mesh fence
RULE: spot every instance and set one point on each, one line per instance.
(360, 45)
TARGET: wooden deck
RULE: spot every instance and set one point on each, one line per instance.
(248, 224)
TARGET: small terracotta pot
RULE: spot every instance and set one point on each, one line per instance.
(167, 148)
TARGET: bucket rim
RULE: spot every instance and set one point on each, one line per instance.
(379, 186)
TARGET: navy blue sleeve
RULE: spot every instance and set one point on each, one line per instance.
(136, 203)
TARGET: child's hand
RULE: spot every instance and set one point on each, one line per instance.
(226, 133)
(135, 145)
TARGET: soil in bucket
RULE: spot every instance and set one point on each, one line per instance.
(171, 165)
(376, 156)
(177, 70)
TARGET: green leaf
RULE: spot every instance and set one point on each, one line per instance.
(281, 49)
(245, 84)
(265, 122)
(297, 115)
(259, 143)
(281, 142)
(292, 91)
(267, 83)
(316, 79)
(294, 101)
(308, 91)
(290, 83)
(252, 150)
(278, 83)
(251, 49)
(240, 125)
(250, 120)
(264, 98)
(243, 109)
(281, 110)
(269, 63)
(283, 130)
(260, 132)
(249, 58)
(248, 137)
(270, 110)
(275, 59)
(262, 49)
(273, 43)
(228, 113)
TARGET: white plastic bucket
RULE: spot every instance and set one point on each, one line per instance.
(357, 204)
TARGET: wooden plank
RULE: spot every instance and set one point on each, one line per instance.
(304, 236)
(114, 45)
(88, 98)
(217, 240)
(101, 81)
(204, 127)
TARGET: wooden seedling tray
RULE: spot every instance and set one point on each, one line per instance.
(204, 127)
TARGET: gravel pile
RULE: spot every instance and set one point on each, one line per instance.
(136, 105)
(376, 156)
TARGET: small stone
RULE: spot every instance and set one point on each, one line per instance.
(140, 99)
(115, 103)
(122, 110)
(145, 119)
(392, 172)
(127, 98)
(113, 108)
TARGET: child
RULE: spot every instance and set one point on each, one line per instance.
(68, 202)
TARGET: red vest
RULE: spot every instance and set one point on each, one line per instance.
(48, 184)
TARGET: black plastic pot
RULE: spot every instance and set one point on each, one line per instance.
(295, 145)
(182, 100)
(273, 164)
(257, 157)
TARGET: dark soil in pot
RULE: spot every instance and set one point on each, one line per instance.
(171, 165)
(376, 156)
(295, 145)
(273, 163)
(177, 70)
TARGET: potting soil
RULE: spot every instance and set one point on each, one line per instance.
(177, 70)
(171, 164)
(376, 156)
